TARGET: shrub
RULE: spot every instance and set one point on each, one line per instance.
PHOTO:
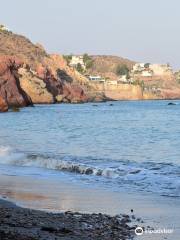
(146, 65)
(122, 70)
(88, 61)
(79, 68)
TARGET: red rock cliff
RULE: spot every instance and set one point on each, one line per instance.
(10, 89)
(3, 105)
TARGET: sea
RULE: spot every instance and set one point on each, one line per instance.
(130, 146)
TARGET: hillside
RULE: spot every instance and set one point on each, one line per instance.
(29, 75)
(28, 72)
(106, 66)
(19, 46)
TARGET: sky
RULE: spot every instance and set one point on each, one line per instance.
(140, 30)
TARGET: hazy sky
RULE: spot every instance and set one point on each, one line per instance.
(141, 30)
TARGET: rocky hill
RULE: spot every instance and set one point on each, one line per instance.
(19, 46)
(106, 66)
(28, 74)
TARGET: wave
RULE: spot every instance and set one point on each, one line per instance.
(162, 178)
(7, 156)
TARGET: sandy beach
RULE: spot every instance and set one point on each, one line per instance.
(59, 197)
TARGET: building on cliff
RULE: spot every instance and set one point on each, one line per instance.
(3, 28)
(125, 80)
(75, 60)
(150, 70)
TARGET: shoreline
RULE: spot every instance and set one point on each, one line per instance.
(94, 103)
(18, 223)
(38, 194)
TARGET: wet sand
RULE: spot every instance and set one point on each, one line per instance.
(58, 196)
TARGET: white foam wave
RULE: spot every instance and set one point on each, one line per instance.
(144, 177)
(8, 156)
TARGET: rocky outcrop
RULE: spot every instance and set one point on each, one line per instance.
(77, 87)
(3, 105)
(35, 87)
(72, 93)
(10, 89)
(60, 84)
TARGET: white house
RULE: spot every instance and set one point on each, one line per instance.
(138, 67)
(123, 79)
(77, 60)
(3, 28)
(147, 73)
(160, 69)
(149, 70)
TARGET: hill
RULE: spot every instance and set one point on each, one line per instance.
(21, 47)
(106, 65)
(27, 71)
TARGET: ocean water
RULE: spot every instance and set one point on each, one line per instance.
(129, 146)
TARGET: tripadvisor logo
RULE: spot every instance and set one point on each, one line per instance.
(139, 231)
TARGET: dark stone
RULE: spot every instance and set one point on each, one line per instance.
(171, 103)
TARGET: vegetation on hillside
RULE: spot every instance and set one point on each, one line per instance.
(122, 70)
(88, 61)
(68, 58)
(79, 68)
(140, 83)
(106, 66)
(146, 65)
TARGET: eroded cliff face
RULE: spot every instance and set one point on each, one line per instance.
(35, 87)
(21, 86)
(76, 86)
(10, 89)
(3, 105)
(48, 79)
(60, 84)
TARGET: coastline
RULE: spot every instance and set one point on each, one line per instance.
(153, 211)
(25, 224)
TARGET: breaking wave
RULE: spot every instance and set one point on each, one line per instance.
(162, 178)
(18, 159)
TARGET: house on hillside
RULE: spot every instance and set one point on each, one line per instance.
(161, 69)
(150, 70)
(3, 28)
(75, 60)
(125, 80)
(138, 67)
